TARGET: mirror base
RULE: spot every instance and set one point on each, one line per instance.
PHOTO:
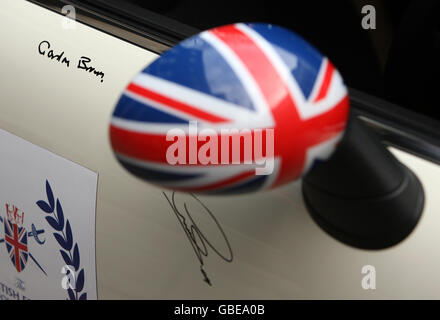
(394, 218)
(363, 196)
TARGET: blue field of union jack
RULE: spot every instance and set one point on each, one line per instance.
(237, 76)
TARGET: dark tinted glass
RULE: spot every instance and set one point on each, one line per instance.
(398, 61)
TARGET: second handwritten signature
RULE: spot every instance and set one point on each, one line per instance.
(198, 240)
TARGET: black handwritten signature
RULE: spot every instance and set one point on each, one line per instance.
(198, 240)
(44, 49)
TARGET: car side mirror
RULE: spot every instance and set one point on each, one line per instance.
(248, 107)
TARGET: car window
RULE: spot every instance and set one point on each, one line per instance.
(395, 60)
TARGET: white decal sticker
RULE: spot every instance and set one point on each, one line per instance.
(47, 224)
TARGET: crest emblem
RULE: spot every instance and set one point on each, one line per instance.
(16, 237)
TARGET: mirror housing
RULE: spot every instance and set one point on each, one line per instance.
(248, 107)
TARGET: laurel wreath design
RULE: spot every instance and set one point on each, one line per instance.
(64, 237)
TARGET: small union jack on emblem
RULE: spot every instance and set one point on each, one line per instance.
(16, 237)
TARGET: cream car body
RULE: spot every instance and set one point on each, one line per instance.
(142, 251)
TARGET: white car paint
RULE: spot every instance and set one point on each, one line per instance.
(142, 251)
